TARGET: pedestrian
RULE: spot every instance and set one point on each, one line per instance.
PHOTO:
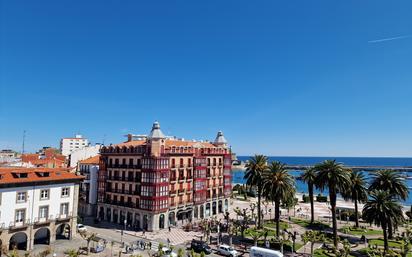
(168, 241)
(170, 229)
(150, 245)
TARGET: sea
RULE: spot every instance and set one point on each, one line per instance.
(301, 187)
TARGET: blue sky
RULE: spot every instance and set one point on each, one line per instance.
(310, 78)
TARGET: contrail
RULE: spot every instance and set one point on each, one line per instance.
(388, 39)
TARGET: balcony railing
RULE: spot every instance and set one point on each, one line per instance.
(172, 192)
(38, 221)
(64, 216)
(17, 225)
(181, 191)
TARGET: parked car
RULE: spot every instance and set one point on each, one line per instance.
(167, 252)
(200, 246)
(227, 251)
(81, 228)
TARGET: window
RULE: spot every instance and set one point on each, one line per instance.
(44, 194)
(65, 191)
(20, 215)
(21, 197)
(43, 212)
(64, 208)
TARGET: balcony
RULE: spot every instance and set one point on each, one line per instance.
(181, 191)
(172, 192)
(41, 221)
(62, 217)
(173, 179)
(181, 178)
(19, 225)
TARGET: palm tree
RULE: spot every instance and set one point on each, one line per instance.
(381, 208)
(278, 185)
(357, 192)
(336, 178)
(309, 177)
(391, 181)
(255, 168)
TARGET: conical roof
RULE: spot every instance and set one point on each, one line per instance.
(220, 139)
(156, 132)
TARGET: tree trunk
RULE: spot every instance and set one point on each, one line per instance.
(390, 229)
(332, 196)
(311, 248)
(356, 211)
(258, 205)
(312, 208)
(277, 216)
(385, 238)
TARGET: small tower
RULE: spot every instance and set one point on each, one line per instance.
(220, 140)
(156, 140)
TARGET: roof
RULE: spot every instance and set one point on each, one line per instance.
(91, 160)
(156, 132)
(169, 143)
(9, 175)
(220, 139)
(131, 143)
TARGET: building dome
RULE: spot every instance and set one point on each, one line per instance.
(220, 139)
(156, 132)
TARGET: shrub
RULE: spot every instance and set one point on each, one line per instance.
(305, 198)
(321, 198)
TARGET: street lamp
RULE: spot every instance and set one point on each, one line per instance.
(121, 234)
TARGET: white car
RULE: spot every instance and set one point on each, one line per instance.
(227, 251)
(81, 228)
(167, 252)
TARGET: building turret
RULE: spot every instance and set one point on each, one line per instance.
(220, 140)
(157, 140)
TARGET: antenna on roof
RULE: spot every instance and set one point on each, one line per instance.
(24, 138)
(104, 138)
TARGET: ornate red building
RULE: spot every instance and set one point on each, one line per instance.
(151, 182)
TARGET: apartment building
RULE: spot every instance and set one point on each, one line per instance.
(88, 168)
(70, 144)
(37, 206)
(151, 182)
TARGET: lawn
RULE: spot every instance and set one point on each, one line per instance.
(360, 231)
(392, 243)
(306, 223)
(271, 233)
(364, 251)
(324, 253)
(271, 224)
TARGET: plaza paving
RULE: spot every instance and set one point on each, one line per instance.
(180, 238)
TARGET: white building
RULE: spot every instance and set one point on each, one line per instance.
(37, 205)
(71, 144)
(82, 154)
(89, 168)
